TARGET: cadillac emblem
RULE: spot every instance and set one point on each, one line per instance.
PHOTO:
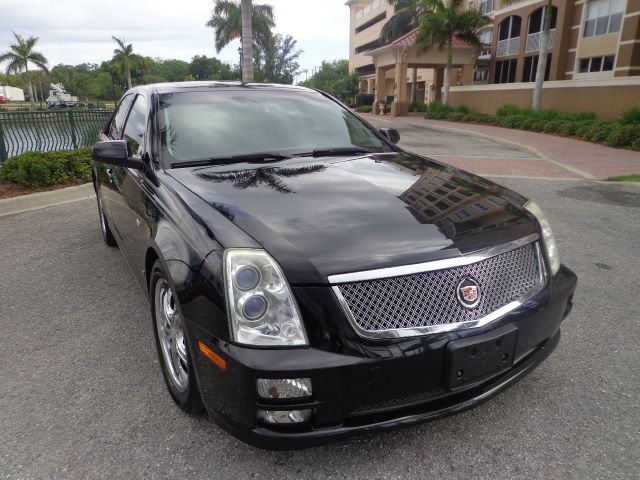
(468, 292)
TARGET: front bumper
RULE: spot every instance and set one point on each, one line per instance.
(362, 387)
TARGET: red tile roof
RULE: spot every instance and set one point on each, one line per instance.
(409, 39)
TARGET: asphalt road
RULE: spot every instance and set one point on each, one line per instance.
(82, 396)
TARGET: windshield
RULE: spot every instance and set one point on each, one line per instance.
(236, 122)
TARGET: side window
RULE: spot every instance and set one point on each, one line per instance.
(115, 129)
(136, 125)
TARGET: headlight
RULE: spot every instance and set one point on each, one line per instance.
(547, 236)
(261, 307)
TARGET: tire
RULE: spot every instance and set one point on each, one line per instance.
(107, 236)
(171, 342)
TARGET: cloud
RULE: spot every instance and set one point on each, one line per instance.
(79, 31)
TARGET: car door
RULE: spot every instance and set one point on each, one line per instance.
(105, 173)
(130, 211)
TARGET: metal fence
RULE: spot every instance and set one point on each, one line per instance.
(47, 131)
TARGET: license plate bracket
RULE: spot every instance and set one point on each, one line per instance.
(473, 359)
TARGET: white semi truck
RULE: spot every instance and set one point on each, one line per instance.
(12, 94)
(58, 97)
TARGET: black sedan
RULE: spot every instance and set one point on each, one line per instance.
(310, 280)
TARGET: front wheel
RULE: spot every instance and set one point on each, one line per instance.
(171, 342)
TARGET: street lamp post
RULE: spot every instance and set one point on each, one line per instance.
(240, 64)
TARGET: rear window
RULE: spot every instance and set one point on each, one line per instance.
(202, 125)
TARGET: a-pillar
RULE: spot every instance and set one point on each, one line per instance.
(381, 77)
(400, 105)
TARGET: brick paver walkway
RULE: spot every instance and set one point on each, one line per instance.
(557, 157)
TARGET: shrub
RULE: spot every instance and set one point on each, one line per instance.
(624, 135)
(599, 131)
(365, 108)
(36, 169)
(581, 116)
(538, 125)
(455, 116)
(582, 128)
(507, 110)
(417, 107)
(552, 126)
(567, 128)
(631, 116)
(636, 145)
(461, 109)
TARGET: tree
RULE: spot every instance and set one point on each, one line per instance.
(205, 68)
(124, 56)
(246, 12)
(334, 78)
(226, 20)
(278, 63)
(545, 37)
(440, 22)
(406, 17)
(18, 58)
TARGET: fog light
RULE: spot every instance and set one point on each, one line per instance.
(274, 388)
(284, 416)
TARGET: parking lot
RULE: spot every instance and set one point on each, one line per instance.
(82, 395)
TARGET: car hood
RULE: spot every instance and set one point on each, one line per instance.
(319, 217)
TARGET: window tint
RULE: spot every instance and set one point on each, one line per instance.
(115, 129)
(136, 126)
(202, 125)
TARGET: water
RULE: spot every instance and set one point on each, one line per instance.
(45, 132)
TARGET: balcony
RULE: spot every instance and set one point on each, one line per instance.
(507, 47)
(533, 41)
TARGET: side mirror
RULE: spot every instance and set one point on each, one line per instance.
(391, 133)
(115, 152)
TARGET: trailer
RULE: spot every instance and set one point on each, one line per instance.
(58, 97)
(12, 94)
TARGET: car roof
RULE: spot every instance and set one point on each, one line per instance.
(174, 87)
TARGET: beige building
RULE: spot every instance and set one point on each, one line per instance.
(595, 44)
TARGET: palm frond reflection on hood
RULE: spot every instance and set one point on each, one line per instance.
(270, 177)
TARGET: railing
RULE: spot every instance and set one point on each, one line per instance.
(510, 46)
(49, 130)
(533, 41)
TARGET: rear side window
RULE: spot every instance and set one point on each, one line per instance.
(117, 124)
(136, 125)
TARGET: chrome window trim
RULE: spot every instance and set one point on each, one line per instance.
(460, 261)
(426, 267)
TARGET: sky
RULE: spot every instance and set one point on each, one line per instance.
(79, 31)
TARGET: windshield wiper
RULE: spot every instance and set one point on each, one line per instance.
(335, 152)
(251, 157)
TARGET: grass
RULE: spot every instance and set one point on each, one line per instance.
(624, 178)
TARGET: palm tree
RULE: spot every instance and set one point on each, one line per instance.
(125, 56)
(543, 55)
(18, 58)
(226, 20)
(269, 176)
(406, 17)
(246, 12)
(442, 21)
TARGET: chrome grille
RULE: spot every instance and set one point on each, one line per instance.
(426, 302)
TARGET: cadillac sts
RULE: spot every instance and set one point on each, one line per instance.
(308, 279)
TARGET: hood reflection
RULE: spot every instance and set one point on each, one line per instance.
(456, 203)
(270, 177)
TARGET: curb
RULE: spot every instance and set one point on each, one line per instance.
(509, 143)
(37, 201)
